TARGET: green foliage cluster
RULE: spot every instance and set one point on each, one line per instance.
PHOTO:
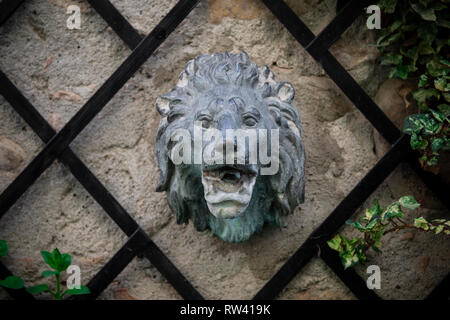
(378, 222)
(58, 261)
(415, 42)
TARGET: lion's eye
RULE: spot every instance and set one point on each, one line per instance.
(250, 121)
(205, 120)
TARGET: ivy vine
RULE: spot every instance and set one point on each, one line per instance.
(378, 222)
(415, 43)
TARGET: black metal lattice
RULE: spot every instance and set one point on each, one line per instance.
(139, 243)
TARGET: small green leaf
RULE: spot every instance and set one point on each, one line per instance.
(437, 144)
(417, 142)
(412, 124)
(424, 12)
(65, 262)
(439, 229)
(393, 211)
(12, 282)
(48, 258)
(433, 161)
(409, 202)
(374, 210)
(391, 59)
(422, 95)
(421, 223)
(427, 31)
(445, 109)
(80, 291)
(335, 243)
(439, 116)
(423, 79)
(388, 5)
(38, 289)
(355, 224)
(441, 84)
(3, 248)
(48, 273)
(400, 72)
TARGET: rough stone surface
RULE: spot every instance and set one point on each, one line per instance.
(59, 69)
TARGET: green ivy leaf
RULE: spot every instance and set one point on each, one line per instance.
(3, 248)
(427, 31)
(422, 95)
(375, 210)
(409, 202)
(399, 71)
(349, 260)
(12, 282)
(421, 223)
(441, 84)
(439, 229)
(426, 13)
(80, 291)
(391, 59)
(437, 144)
(439, 116)
(393, 211)
(388, 5)
(423, 79)
(417, 142)
(409, 27)
(355, 224)
(335, 243)
(445, 109)
(433, 161)
(395, 25)
(38, 289)
(412, 125)
(426, 2)
(425, 48)
(431, 126)
(441, 22)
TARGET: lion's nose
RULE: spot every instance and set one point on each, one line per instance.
(225, 122)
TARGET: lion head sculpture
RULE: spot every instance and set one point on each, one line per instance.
(224, 92)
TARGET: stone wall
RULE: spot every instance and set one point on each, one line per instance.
(59, 69)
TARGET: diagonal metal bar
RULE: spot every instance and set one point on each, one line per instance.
(7, 8)
(34, 119)
(332, 67)
(349, 277)
(441, 291)
(337, 26)
(117, 22)
(20, 294)
(90, 182)
(95, 104)
(115, 265)
(337, 218)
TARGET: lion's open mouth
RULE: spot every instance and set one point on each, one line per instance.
(228, 188)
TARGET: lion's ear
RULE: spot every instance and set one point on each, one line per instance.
(285, 91)
(162, 105)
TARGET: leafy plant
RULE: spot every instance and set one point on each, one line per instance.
(58, 261)
(11, 282)
(416, 46)
(378, 222)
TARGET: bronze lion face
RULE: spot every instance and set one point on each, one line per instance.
(229, 147)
